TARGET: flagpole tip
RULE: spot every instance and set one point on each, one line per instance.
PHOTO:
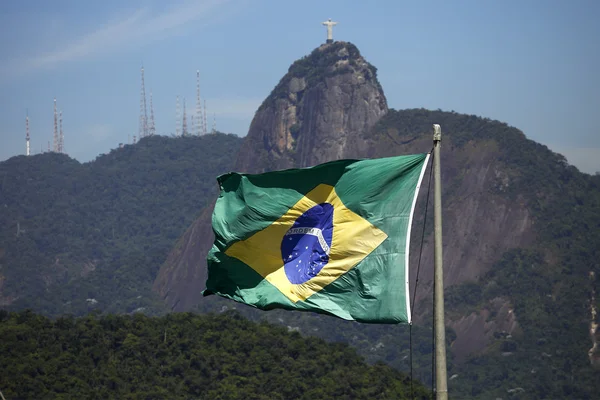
(437, 133)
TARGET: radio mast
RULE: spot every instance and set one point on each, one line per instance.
(27, 133)
(61, 138)
(143, 128)
(152, 127)
(177, 118)
(55, 146)
(204, 123)
(184, 131)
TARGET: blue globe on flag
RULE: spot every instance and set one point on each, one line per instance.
(306, 245)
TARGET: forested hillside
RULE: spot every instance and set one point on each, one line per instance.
(548, 282)
(182, 356)
(76, 237)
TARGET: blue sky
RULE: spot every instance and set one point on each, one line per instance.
(531, 63)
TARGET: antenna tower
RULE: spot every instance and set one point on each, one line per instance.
(214, 128)
(204, 123)
(199, 127)
(143, 129)
(27, 132)
(55, 147)
(48, 146)
(152, 127)
(177, 118)
(184, 123)
(61, 139)
(193, 128)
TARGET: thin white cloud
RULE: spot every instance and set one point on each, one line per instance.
(98, 133)
(236, 107)
(139, 26)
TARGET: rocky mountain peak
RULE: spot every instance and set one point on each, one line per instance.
(329, 97)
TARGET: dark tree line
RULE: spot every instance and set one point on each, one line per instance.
(182, 356)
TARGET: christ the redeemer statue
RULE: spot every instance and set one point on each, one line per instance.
(329, 26)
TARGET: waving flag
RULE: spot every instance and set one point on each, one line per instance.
(331, 239)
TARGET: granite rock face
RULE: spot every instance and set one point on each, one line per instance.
(316, 113)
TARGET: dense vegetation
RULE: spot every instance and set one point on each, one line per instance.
(182, 356)
(76, 237)
(376, 343)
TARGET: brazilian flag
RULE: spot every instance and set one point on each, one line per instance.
(331, 239)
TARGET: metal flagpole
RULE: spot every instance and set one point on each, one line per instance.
(438, 308)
